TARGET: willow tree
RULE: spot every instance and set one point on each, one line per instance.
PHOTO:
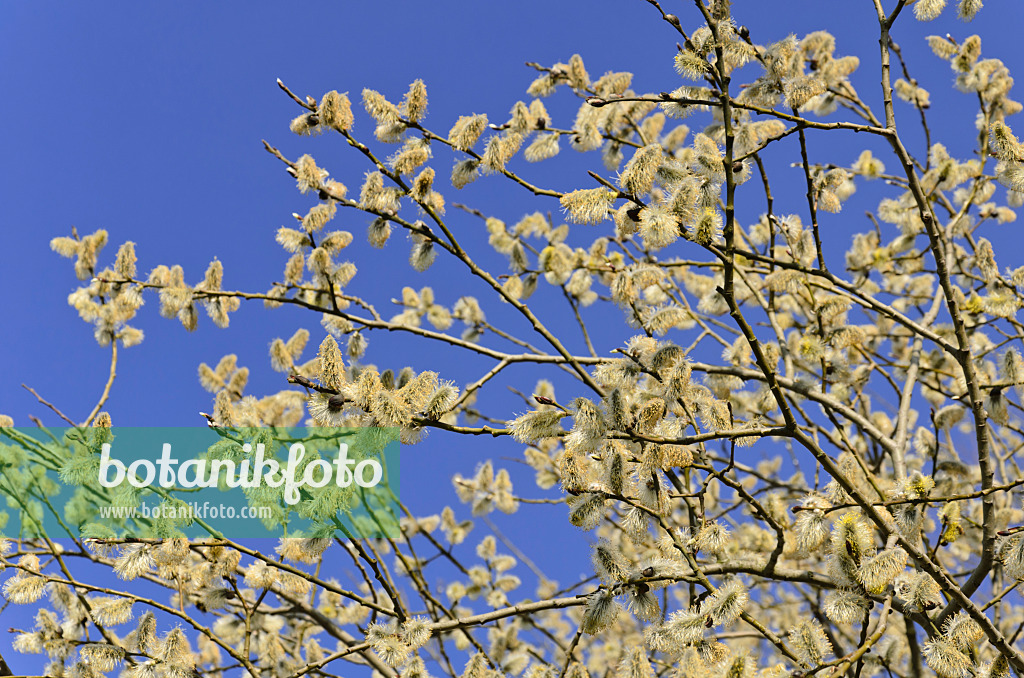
(879, 536)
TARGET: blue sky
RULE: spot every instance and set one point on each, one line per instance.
(145, 119)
